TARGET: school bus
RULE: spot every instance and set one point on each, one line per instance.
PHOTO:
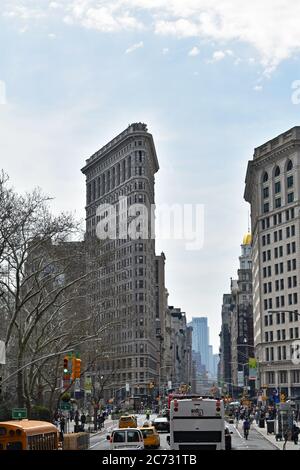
(28, 435)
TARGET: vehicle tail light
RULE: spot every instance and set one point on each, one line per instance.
(175, 405)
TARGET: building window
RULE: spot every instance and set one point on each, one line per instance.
(279, 353)
(293, 231)
(278, 202)
(296, 376)
(284, 353)
(271, 378)
(290, 181)
(266, 337)
(277, 172)
(290, 197)
(289, 166)
(278, 335)
(265, 177)
(266, 193)
(283, 376)
(266, 208)
(277, 187)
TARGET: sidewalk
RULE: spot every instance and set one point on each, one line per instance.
(108, 423)
(271, 438)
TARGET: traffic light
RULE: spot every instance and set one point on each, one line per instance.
(77, 368)
(66, 365)
(73, 376)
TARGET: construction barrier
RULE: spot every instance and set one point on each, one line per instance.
(76, 441)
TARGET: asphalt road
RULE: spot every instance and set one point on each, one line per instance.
(255, 440)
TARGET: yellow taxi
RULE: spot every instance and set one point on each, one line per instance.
(151, 436)
(127, 421)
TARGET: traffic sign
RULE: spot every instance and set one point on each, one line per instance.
(19, 413)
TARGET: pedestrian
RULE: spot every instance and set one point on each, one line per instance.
(83, 420)
(71, 415)
(76, 420)
(246, 428)
(100, 421)
(286, 437)
(62, 424)
(295, 433)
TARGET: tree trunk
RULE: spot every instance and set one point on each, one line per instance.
(20, 388)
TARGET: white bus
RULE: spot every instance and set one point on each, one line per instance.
(197, 423)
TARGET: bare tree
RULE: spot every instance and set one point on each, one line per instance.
(45, 284)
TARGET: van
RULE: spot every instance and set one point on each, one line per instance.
(127, 421)
(128, 439)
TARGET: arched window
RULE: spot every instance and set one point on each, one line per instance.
(265, 177)
(277, 171)
(289, 166)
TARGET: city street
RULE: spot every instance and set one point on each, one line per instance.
(255, 440)
(100, 442)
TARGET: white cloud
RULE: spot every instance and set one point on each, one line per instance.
(132, 48)
(24, 29)
(270, 27)
(218, 55)
(55, 5)
(194, 51)
(165, 50)
(258, 88)
(52, 36)
(14, 10)
(2, 92)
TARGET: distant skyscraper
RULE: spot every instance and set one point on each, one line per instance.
(200, 339)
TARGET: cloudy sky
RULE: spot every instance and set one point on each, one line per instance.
(212, 78)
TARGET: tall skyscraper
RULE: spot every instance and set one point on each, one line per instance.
(125, 289)
(201, 339)
(272, 189)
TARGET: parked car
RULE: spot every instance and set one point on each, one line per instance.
(161, 423)
(127, 421)
(151, 436)
(128, 439)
